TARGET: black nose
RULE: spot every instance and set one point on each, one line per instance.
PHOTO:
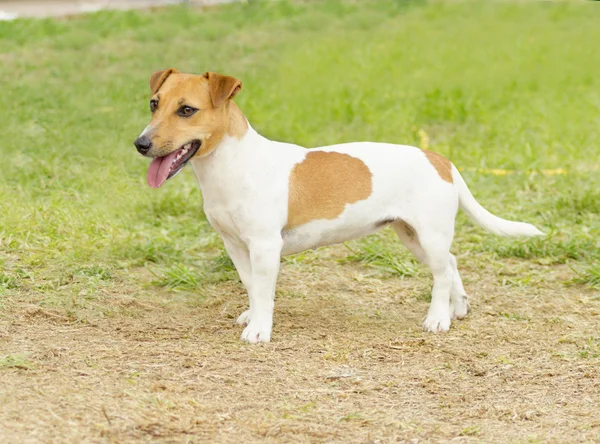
(143, 144)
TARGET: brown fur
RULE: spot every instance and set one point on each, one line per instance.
(209, 124)
(222, 87)
(159, 77)
(238, 125)
(323, 184)
(441, 164)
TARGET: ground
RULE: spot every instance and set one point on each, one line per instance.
(117, 302)
(349, 363)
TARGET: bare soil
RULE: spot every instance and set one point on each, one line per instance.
(348, 363)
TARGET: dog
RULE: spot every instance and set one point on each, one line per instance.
(267, 199)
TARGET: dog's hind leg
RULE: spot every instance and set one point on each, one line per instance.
(432, 247)
(459, 301)
(409, 238)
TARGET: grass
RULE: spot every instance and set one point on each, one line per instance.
(16, 361)
(508, 91)
(80, 202)
(74, 195)
(590, 275)
(382, 256)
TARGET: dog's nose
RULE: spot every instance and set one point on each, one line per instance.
(143, 144)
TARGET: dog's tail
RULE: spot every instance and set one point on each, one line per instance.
(486, 219)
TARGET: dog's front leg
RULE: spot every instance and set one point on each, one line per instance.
(240, 256)
(265, 255)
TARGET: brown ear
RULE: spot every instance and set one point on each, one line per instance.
(222, 88)
(159, 77)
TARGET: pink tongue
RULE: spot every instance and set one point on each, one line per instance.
(159, 170)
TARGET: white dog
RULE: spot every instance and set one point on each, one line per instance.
(267, 199)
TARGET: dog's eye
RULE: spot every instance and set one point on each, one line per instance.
(153, 105)
(186, 111)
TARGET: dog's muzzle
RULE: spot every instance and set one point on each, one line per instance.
(143, 144)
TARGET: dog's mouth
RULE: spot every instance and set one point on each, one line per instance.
(163, 168)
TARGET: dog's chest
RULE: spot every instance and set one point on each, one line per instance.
(222, 220)
(224, 208)
(234, 206)
(245, 190)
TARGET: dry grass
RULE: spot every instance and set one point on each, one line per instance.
(348, 364)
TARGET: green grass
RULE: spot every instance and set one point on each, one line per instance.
(589, 275)
(491, 85)
(193, 278)
(387, 257)
(16, 361)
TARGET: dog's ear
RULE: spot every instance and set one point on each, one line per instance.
(222, 88)
(159, 77)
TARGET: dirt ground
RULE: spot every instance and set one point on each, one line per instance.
(348, 363)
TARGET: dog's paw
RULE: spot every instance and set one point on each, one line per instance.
(244, 318)
(461, 309)
(257, 331)
(437, 324)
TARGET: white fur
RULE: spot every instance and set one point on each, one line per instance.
(147, 131)
(245, 187)
(483, 217)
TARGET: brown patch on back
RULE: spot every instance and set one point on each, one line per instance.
(323, 184)
(441, 164)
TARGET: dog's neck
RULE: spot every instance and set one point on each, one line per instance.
(236, 144)
(238, 124)
(239, 135)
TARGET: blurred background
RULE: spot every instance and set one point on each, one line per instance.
(505, 90)
(11, 9)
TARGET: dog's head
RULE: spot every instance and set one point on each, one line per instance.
(190, 116)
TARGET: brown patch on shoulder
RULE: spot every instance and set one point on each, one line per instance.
(323, 184)
(441, 164)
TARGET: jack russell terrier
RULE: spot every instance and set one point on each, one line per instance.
(267, 199)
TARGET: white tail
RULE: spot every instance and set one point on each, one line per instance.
(486, 219)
